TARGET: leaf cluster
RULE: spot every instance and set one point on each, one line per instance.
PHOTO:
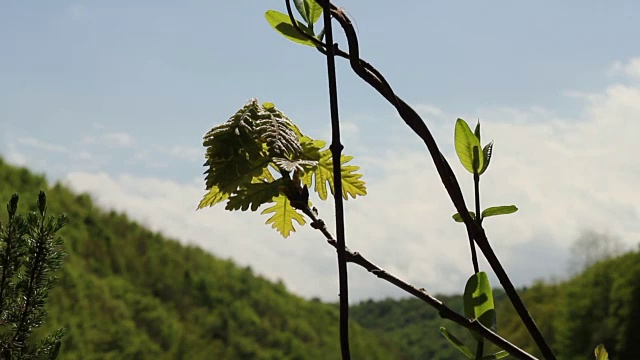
(309, 10)
(30, 253)
(259, 156)
(475, 160)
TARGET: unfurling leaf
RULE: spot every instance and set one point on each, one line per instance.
(478, 302)
(457, 343)
(282, 24)
(293, 165)
(486, 152)
(351, 182)
(499, 210)
(601, 353)
(283, 216)
(465, 142)
(276, 130)
(458, 218)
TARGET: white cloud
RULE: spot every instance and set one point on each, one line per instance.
(565, 175)
(630, 68)
(114, 140)
(42, 145)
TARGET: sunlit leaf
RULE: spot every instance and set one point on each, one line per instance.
(314, 10)
(283, 216)
(351, 183)
(457, 343)
(282, 24)
(214, 196)
(465, 142)
(458, 218)
(476, 132)
(499, 210)
(478, 302)
(601, 353)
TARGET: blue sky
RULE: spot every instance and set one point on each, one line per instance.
(113, 98)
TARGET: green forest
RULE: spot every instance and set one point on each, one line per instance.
(125, 292)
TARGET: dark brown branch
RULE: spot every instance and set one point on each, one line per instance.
(474, 231)
(336, 152)
(444, 311)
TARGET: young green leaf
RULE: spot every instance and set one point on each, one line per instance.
(301, 9)
(254, 195)
(499, 210)
(458, 218)
(351, 182)
(457, 343)
(478, 302)
(282, 24)
(465, 142)
(283, 216)
(486, 152)
(601, 353)
(314, 10)
(476, 132)
(496, 356)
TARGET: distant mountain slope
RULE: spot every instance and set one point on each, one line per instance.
(601, 305)
(127, 293)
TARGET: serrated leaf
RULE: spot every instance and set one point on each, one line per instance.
(254, 195)
(486, 153)
(323, 174)
(601, 353)
(311, 148)
(282, 24)
(314, 10)
(465, 142)
(478, 302)
(496, 356)
(456, 343)
(214, 196)
(283, 216)
(499, 210)
(458, 218)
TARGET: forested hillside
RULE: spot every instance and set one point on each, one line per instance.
(127, 293)
(601, 305)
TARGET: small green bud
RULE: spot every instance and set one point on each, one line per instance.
(42, 202)
(12, 206)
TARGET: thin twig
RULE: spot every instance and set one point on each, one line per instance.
(336, 152)
(444, 311)
(415, 122)
(374, 78)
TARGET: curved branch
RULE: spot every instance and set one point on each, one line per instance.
(474, 231)
(444, 311)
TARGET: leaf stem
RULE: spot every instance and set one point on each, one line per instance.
(474, 256)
